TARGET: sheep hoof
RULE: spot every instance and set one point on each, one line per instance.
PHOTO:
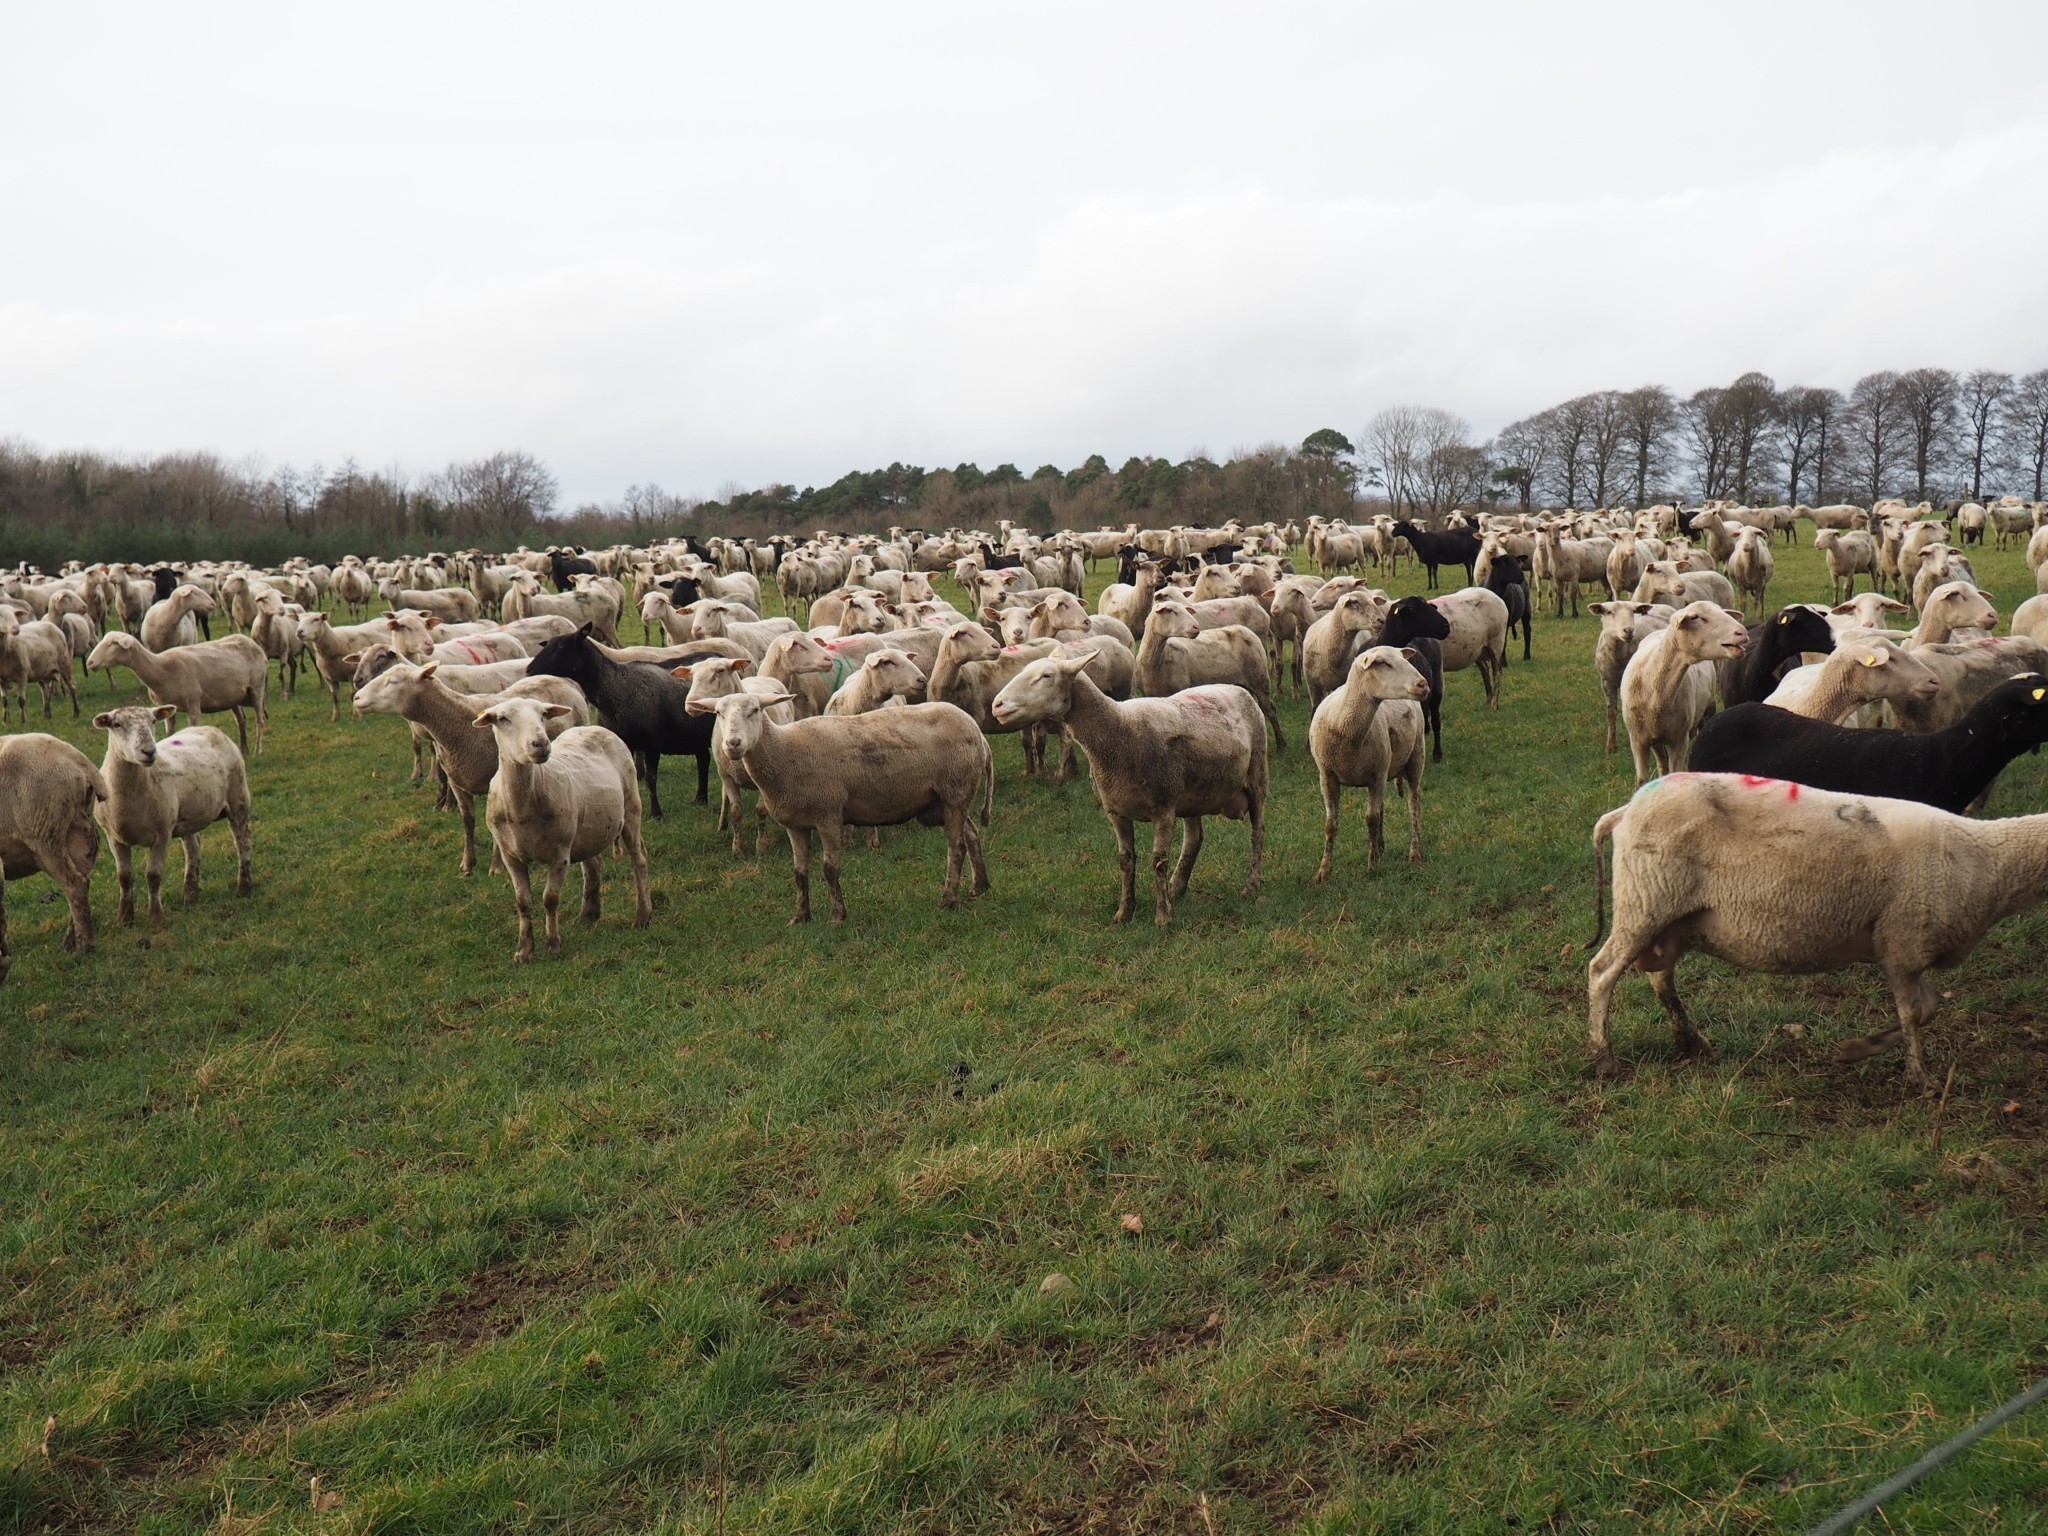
(1604, 1065)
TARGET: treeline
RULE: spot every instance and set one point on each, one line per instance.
(1928, 434)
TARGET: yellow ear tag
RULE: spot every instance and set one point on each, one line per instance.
(2040, 694)
(1871, 660)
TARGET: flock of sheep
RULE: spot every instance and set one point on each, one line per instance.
(878, 707)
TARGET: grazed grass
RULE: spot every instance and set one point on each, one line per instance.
(707, 1229)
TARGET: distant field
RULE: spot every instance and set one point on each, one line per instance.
(728, 1226)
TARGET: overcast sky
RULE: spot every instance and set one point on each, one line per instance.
(696, 245)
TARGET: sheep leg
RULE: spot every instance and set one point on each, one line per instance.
(636, 850)
(46, 698)
(1375, 824)
(551, 901)
(1433, 718)
(191, 843)
(1272, 718)
(522, 900)
(6, 959)
(593, 904)
(1066, 755)
(1689, 1040)
(241, 725)
(466, 804)
(650, 770)
(245, 854)
(760, 826)
(704, 777)
(1190, 846)
(1333, 794)
(124, 875)
(333, 700)
(1127, 865)
(832, 835)
(800, 868)
(1162, 848)
(980, 886)
(159, 855)
(1603, 972)
(1916, 999)
(959, 823)
(1613, 710)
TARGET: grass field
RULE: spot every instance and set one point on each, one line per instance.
(728, 1226)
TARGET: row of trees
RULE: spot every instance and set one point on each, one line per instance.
(1926, 434)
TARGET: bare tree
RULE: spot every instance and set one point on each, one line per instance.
(1707, 429)
(1877, 432)
(1929, 399)
(2025, 425)
(504, 494)
(1393, 449)
(1751, 409)
(1807, 417)
(1569, 448)
(1982, 393)
(1649, 419)
(1450, 469)
(1520, 453)
(1608, 432)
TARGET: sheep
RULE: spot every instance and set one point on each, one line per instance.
(1063, 618)
(1751, 567)
(37, 652)
(277, 632)
(717, 677)
(158, 790)
(1291, 616)
(1453, 546)
(1859, 672)
(638, 701)
(1369, 731)
(717, 620)
(1624, 626)
(971, 670)
(1940, 565)
(1478, 637)
(1772, 877)
(1968, 670)
(1505, 581)
(333, 645)
(1668, 686)
(559, 801)
(428, 702)
(1177, 653)
(923, 762)
(170, 623)
(1332, 641)
(1955, 610)
(230, 673)
(599, 609)
(48, 791)
(1774, 645)
(1663, 582)
(1952, 769)
(884, 675)
(1866, 610)
(1131, 603)
(451, 605)
(1571, 563)
(1200, 752)
(1849, 554)
(2030, 619)
(805, 669)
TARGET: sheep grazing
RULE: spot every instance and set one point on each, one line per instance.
(158, 790)
(1198, 752)
(1859, 672)
(48, 790)
(37, 652)
(1669, 684)
(1773, 877)
(1951, 769)
(923, 762)
(640, 702)
(1176, 653)
(1367, 732)
(559, 801)
(230, 673)
(468, 761)
(1624, 626)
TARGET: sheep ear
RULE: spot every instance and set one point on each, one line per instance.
(555, 711)
(1875, 659)
(1412, 656)
(428, 669)
(433, 622)
(103, 722)
(701, 707)
(682, 672)
(353, 659)
(484, 721)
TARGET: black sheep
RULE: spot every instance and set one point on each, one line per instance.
(1414, 623)
(167, 580)
(1454, 546)
(1776, 643)
(639, 702)
(1950, 770)
(565, 565)
(1505, 581)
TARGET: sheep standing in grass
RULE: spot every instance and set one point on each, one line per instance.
(1369, 731)
(559, 801)
(48, 790)
(158, 790)
(1198, 752)
(923, 762)
(1668, 687)
(1177, 653)
(37, 652)
(1771, 876)
(230, 673)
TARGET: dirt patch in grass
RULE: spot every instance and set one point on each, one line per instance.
(492, 1304)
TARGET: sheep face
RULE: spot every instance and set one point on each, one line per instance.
(131, 731)
(521, 728)
(1384, 672)
(1962, 606)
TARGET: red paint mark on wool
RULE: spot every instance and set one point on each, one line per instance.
(1791, 791)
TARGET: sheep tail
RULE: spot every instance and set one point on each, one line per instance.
(988, 794)
(1603, 829)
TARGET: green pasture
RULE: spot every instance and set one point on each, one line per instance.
(729, 1226)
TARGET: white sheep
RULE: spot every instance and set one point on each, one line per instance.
(230, 673)
(1668, 686)
(158, 790)
(1776, 877)
(1856, 673)
(560, 801)
(48, 789)
(1367, 732)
